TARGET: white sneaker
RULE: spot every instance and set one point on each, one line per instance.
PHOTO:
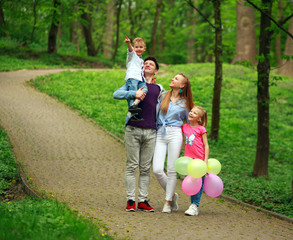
(166, 208)
(192, 210)
(174, 203)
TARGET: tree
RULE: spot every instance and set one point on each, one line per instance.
(263, 99)
(155, 25)
(108, 39)
(35, 3)
(87, 27)
(246, 42)
(287, 64)
(191, 18)
(119, 3)
(2, 22)
(54, 27)
(218, 50)
(278, 36)
(218, 71)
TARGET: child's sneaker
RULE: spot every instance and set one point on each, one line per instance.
(136, 118)
(145, 206)
(134, 109)
(192, 210)
(166, 208)
(174, 203)
(130, 206)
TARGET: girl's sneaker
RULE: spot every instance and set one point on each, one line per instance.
(174, 203)
(192, 210)
(166, 208)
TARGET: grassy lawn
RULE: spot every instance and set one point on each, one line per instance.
(91, 94)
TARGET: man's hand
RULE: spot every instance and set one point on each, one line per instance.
(140, 94)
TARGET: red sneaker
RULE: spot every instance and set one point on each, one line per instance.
(144, 206)
(130, 206)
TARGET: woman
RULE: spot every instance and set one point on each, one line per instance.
(172, 110)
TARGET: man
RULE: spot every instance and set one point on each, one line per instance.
(140, 138)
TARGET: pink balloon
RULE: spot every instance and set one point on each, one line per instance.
(191, 186)
(213, 185)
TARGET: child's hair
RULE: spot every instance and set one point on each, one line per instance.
(139, 39)
(203, 115)
(186, 94)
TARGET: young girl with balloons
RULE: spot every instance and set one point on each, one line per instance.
(196, 147)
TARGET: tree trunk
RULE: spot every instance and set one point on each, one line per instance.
(218, 72)
(131, 18)
(278, 36)
(87, 29)
(108, 43)
(191, 18)
(117, 28)
(263, 99)
(35, 2)
(162, 36)
(154, 31)
(54, 27)
(246, 42)
(2, 23)
(287, 65)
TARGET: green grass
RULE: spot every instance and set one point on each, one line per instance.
(38, 218)
(8, 172)
(91, 94)
(14, 57)
(45, 219)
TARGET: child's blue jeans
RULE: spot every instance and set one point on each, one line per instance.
(133, 84)
(195, 199)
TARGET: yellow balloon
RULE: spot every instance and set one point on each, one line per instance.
(214, 166)
(197, 168)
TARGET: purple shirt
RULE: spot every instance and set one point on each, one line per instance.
(148, 106)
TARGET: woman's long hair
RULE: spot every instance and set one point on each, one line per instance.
(186, 94)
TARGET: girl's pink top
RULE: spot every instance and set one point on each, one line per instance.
(194, 147)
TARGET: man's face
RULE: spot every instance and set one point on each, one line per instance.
(150, 67)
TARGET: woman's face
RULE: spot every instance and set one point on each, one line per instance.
(177, 82)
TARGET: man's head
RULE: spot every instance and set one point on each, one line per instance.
(151, 68)
(154, 61)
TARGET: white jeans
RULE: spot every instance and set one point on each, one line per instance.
(171, 144)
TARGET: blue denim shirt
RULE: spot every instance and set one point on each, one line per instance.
(176, 114)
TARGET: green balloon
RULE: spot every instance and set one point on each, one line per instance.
(197, 168)
(181, 165)
(214, 166)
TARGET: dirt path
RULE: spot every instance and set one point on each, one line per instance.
(82, 165)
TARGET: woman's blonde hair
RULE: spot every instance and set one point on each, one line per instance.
(186, 94)
(203, 114)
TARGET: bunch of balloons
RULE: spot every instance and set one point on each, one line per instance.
(195, 169)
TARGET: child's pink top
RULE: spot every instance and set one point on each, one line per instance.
(194, 147)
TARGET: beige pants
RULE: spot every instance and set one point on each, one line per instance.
(139, 145)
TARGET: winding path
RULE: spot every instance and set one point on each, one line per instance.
(70, 157)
